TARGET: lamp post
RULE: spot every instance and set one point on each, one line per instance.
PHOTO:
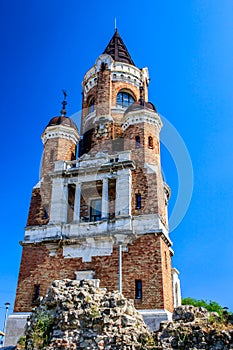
(7, 304)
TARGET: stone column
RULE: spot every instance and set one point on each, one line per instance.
(104, 209)
(123, 193)
(59, 201)
(77, 202)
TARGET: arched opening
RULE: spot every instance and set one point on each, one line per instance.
(91, 105)
(124, 99)
(150, 142)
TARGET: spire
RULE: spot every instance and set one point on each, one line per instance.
(117, 49)
(64, 103)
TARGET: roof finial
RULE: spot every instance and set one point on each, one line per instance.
(64, 103)
(141, 99)
(115, 24)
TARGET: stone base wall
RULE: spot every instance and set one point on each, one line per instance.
(15, 327)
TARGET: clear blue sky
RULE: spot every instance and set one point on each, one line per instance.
(48, 45)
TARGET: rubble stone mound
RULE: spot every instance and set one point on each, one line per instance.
(76, 315)
(194, 328)
(188, 313)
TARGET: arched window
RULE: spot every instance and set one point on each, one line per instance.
(124, 99)
(150, 142)
(137, 141)
(91, 105)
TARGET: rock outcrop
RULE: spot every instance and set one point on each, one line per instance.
(76, 315)
(194, 328)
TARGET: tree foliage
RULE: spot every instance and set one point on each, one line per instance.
(211, 306)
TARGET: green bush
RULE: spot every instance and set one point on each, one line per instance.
(41, 330)
(211, 306)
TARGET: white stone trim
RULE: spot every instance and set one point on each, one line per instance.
(91, 82)
(123, 192)
(104, 58)
(141, 116)
(105, 204)
(84, 275)
(154, 317)
(131, 74)
(60, 131)
(126, 77)
(77, 202)
(90, 73)
(176, 287)
(89, 248)
(139, 225)
(87, 119)
(59, 201)
(15, 326)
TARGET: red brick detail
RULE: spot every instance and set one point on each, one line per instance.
(149, 184)
(144, 260)
(37, 212)
(103, 96)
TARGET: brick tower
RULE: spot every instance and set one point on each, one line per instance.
(102, 214)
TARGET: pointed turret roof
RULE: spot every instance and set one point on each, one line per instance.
(117, 49)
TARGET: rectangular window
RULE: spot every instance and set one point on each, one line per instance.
(95, 210)
(138, 289)
(138, 201)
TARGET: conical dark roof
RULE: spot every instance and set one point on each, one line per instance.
(117, 49)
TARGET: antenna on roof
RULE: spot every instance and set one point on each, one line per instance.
(115, 24)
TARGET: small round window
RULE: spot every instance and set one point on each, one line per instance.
(124, 99)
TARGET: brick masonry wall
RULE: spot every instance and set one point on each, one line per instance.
(143, 260)
(104, 92)
(149, 185)
(148, 257)
(54, 149)
(166, 268)
(37, 212)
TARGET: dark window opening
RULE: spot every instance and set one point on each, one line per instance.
(165, 258)
(138, 201)
(36, 293)
(137, 141)
(45, 212)
(95, 210)
(91, 105)
(124, 99)
(138, 289)
(103, 66)
(71, 199)
(150, 142)
(51, 155)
